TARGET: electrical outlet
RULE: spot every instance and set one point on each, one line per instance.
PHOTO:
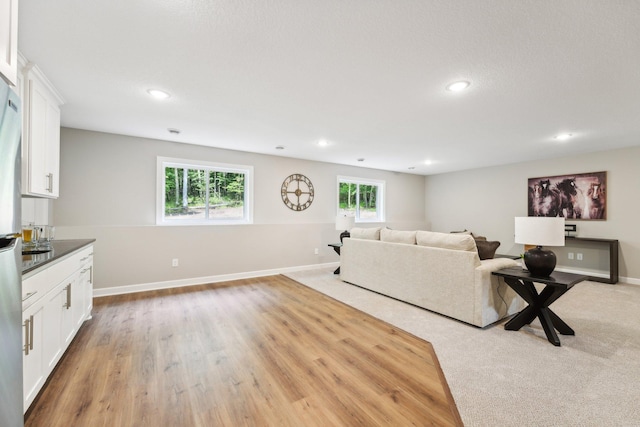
(316, 251)
(174, 262)
(579, 256)
(570, 255)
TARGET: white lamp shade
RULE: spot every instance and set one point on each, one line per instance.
(345, 223)
(540, 231)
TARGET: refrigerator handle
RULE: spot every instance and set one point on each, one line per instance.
(8, 241)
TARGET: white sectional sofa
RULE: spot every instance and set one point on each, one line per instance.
(441, 272)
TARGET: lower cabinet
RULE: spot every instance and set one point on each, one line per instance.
(56, 301)
(86, 282)
(33, 364)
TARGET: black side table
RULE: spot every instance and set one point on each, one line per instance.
(336, 247)
(556, 285)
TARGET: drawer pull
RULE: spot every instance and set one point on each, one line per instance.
(29, 295)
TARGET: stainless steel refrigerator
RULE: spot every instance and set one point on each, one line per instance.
(11, 413)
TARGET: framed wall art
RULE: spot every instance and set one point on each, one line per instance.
(575, 196)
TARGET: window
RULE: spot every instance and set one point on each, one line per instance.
(361, 198)
(197, 192)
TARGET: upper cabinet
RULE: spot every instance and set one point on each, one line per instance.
(40, 133)
(9, 40)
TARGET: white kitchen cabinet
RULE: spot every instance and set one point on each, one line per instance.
(85, 281)
(9, 40)
(33, 365)
(56, 302)
(58, 324)
(40, 134)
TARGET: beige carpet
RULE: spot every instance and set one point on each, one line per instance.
(518, 378)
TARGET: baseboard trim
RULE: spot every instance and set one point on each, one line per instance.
(630, 280)
(154, 286)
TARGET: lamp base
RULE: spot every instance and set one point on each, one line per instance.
(344, 235)
(540, 262)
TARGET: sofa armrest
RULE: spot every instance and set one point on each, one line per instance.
(495, 264)
(495, 299)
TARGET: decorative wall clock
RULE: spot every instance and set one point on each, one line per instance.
(297, 192)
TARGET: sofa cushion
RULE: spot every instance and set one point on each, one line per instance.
(398, 236)
(457, 241)
(365, 233)
(486, 249)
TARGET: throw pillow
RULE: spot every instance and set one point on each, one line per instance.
(365, 233)
(397, 236)
(486, 250)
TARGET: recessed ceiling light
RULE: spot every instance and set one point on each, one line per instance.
(158, 94)
(323, 143)
(563, 136)
(458, 86)
(428, 162)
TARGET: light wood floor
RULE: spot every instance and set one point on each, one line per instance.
(255, 352)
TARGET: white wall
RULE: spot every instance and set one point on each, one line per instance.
(36, 211)
(108, 191)
(486, 200)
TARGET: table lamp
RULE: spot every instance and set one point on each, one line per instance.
(539, 231)
(345, 223)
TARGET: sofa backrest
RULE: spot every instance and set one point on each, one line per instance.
(431, 239)
(365, 233)
(457, 241)
(398, 236)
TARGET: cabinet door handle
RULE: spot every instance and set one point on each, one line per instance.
(29, 295)
(31, 332)
(68, 305)
(26, 335)
(50, 182)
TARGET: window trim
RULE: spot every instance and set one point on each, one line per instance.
(164, 162)
(380, 197)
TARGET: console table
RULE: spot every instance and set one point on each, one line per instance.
(612, 247)
(556, 285)
(336, 247)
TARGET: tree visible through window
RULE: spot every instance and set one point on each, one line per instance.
(362, 199)
(202, 192)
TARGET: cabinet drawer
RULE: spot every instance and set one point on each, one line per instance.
(38, 285)
(85, 257)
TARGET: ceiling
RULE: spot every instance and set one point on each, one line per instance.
(367, 76)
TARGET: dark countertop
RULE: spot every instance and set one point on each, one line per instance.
(60, 248)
